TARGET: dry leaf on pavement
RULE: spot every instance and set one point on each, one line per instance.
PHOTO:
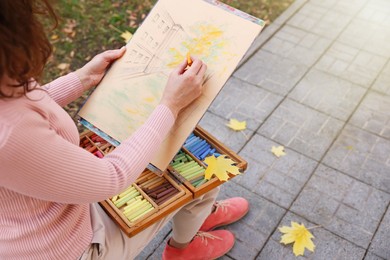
(299, 235)
(237, 125)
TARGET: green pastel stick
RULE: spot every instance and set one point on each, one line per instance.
(178, 165)
(134, 219)
(198, 177)
(175, 163)
(194, 173)
(200, 183)
(190, 176)
(184, 165)
(195, 169)
(179, 157)
(187, 166)
(190, 165)
(190, 172)
(195, 183)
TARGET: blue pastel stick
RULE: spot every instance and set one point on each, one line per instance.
(201, 151)
(190, 139)
(194, 142)
(217, 154)
(203, 155)
(196, 146)
(200, 148)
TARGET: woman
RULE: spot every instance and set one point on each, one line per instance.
(49, 186)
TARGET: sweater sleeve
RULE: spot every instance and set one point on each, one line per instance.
(65, 89)
(37, 162)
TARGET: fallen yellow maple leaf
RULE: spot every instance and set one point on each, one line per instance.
(299, 235)
(278, 151)
(237, 125)
(126, 36)
(220, 167)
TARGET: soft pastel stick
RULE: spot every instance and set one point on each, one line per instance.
(140, 209)
(200, 183)
(189, 176)
(131, 188)
(203, 155)
(200, 148)
(135, 218)
(133, 206)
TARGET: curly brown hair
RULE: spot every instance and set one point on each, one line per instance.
(24, 46)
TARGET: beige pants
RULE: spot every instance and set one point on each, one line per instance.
(109, 242)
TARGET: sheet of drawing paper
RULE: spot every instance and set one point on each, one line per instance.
(133, 86)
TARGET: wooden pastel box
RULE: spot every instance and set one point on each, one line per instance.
(152, 197)
(133, 224)
(196, 155)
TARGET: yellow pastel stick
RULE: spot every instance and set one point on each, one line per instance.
(133, 206)
(189, 61)
(137, 217)
(140, 213)
(139, 210)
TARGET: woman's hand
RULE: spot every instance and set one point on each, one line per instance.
(92, 72)
(184, 85)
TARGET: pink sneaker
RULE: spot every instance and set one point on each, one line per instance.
(226, 212)
(204, 246)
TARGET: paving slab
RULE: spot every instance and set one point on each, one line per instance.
(276, 179)
(244, 101)
(297, 45)
(321, 19)
(328, 94)
(382, 83)
(342, 205)
(217, 127)
(301, 128)
(351, 63)
(363, 156)
(373, 114)
(380, 243)
(327, 245)
(371, 256)
(272, 72)
(254, 229)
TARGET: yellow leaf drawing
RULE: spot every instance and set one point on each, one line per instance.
(278, 151)
(220, 167)
(299, 235)
(126, 36)
(237, 125)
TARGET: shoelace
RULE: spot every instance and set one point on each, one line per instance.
(205, 235)
(221, 205)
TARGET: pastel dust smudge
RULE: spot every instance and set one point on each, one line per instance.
(207, 42)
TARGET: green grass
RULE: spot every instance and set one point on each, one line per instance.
(87, 28)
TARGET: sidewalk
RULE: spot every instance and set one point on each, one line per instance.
(316, 81)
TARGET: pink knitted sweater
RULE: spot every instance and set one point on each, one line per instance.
(47, 181)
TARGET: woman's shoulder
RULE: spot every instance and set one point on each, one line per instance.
(11, 116)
